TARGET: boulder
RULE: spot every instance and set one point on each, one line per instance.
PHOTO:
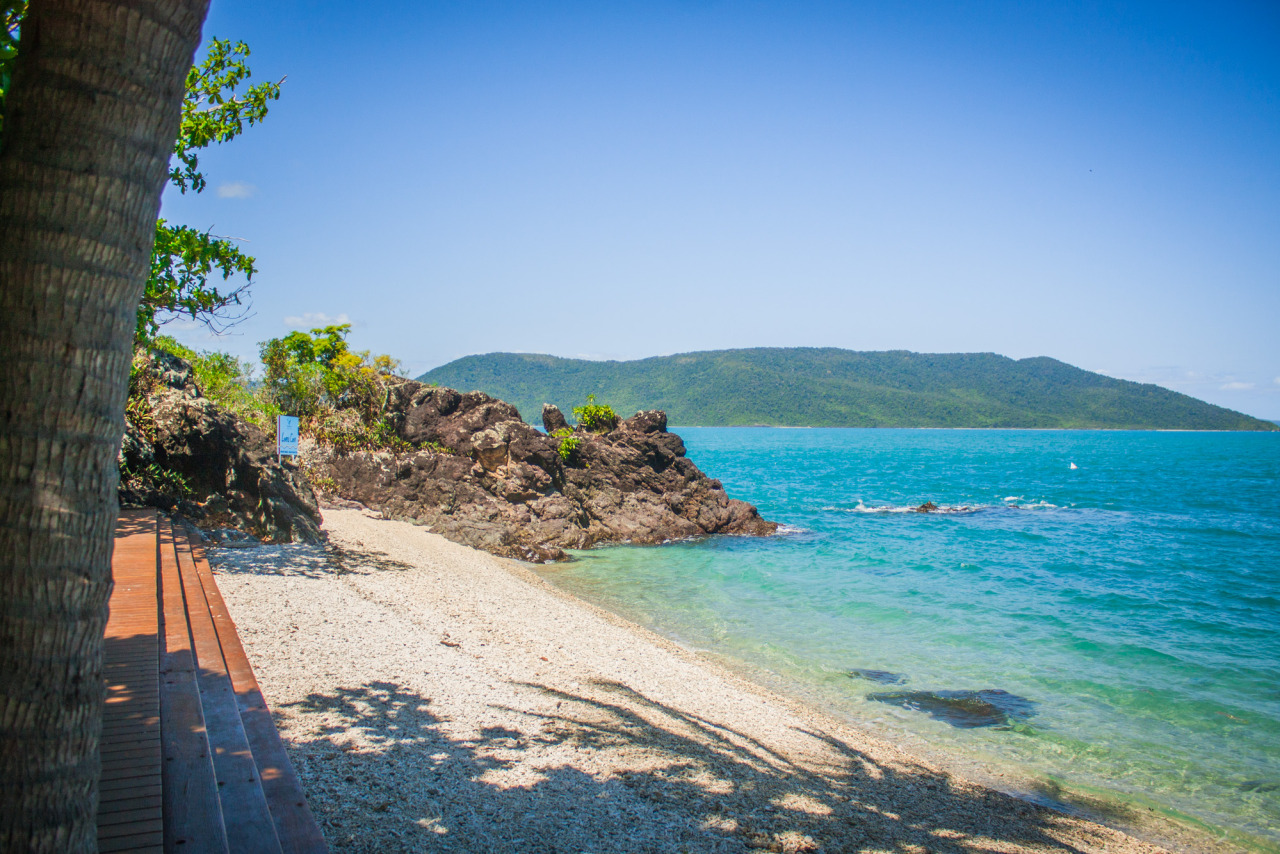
(553, 419)
(231, 474)
(990, 707)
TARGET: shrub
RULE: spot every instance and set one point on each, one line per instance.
(313, 375)
(153, 478)
(346, 431)
(568, 442)
(596, 417)
(224, 379)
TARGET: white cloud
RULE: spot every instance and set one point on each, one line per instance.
(314, 320)
(1237, 386)
(236, 190)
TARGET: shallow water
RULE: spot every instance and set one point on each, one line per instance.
(1130, 605)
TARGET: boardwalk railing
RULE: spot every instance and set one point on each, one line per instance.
(191, 759)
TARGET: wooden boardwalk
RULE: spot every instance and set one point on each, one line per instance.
(191, 759)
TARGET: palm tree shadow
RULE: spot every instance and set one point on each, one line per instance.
(661, 780)
(309, 560)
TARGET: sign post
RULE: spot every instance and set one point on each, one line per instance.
(286, 436)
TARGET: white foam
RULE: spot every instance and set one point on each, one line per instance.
(943, 509)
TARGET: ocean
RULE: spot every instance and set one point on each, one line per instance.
(1095, 613)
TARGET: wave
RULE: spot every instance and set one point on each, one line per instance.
(945, 509)
(784, 530)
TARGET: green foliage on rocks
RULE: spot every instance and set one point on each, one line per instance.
(339, 396)
(568, 442)
(154, 478)
(596, 417)
(311, 375)
(225, 379)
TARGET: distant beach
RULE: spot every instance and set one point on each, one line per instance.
(436, 698)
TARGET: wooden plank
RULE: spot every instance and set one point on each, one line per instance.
(132, 787)
(296, 827)
(127, 816)
(128, 728)
(129, 746)
(192, 810)
(130, 742)
(132, 828)
(145, 842)
(124, 802)
(244, 805)
(127, 771)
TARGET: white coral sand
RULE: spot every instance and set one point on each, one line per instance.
(435, 698)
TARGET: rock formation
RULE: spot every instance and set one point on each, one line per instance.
(479, 475)
(553, 418)
(229, 467)
(990, 707)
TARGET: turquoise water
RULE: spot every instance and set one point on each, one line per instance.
(1133, 602)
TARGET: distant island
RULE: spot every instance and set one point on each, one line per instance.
(830, 387)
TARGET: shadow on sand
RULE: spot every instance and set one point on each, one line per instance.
(308, 560)
(672, 783)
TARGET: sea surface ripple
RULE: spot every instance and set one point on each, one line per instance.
(1126, 611)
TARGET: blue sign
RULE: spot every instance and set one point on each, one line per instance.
(287, 435)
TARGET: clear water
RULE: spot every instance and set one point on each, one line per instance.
(1135, 599)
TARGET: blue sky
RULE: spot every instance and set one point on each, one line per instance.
(1095, 183)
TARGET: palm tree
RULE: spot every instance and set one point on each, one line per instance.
(89, 123)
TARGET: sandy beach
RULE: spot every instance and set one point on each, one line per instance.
(435, 698)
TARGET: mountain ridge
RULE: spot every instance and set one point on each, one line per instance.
(832, 387)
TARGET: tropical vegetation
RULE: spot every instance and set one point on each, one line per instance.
(339, 395)
(828, 387)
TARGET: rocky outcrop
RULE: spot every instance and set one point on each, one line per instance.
(481, 476)
(182, 452)
(553, 418)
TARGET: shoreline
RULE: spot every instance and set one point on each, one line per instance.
(434, 697)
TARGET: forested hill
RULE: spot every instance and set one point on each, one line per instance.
(810, 387)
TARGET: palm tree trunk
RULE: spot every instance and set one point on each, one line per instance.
(90, 122)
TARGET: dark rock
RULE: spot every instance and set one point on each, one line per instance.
(927, 507)
(964, 709)
(648, 421)
(553, 418)
(502, 486)
(229, 465)
(884, 677)
(423, 414)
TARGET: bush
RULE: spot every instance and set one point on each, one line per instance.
(224, 379)
(596, 417)
(153, 478)
(339, 396)
(314, 375)
(345, 431)
(568, 442)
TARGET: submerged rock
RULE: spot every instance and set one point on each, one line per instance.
(884, 677)
(990, 707)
